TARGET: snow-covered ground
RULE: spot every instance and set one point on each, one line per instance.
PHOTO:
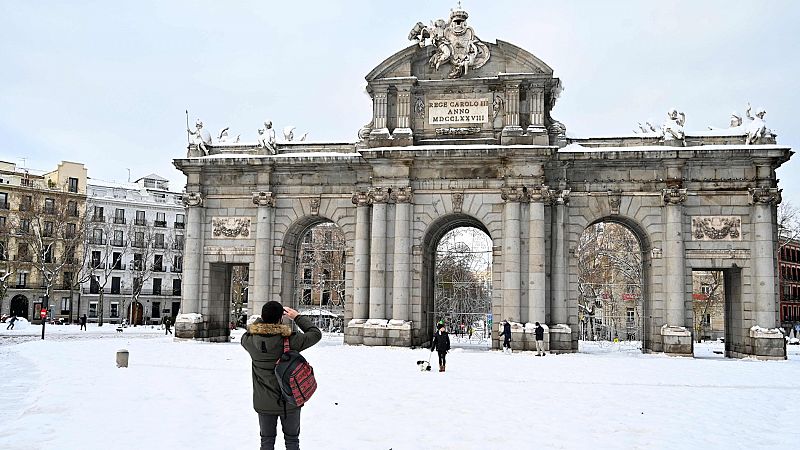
(66, 393)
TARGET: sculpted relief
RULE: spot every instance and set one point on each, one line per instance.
(455, 43)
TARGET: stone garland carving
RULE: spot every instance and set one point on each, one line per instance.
(193, 199)
(764, 196)
(512, 194)
(726, 228)
(419, 108)
(230, 227)
(455, 43)
(360, 198)
(457, 131)
(315, 202)
(458, 201)
(263, 198)
(673, 196)
(402, 195)
(378, 195)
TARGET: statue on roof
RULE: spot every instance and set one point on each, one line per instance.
(673, 127)
(757, 129)
(223, 136)
(455, 43)
(266, 137)
(200, 136)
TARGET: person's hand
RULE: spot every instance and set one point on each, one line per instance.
(290, 312)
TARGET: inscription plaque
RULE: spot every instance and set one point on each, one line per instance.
(460, 110)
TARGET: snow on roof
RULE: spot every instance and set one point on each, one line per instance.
(577, 148)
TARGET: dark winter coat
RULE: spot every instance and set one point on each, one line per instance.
(83, 320)
(506, 330)
(441, 342)
(539, 333)
(264, 342)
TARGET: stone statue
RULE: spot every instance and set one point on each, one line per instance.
(455, 43)
(736, 120)
(497, 105)
(288, 133)
(200, 137)
(223, 136)
(673, 127)
(266, 137)
(757, 128)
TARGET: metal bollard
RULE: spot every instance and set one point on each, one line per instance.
(122, 358)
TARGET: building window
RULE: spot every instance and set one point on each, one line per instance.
(137, 261)
(156, 313)
(156, 286)
(25, 203)
(92, 309)
(119, 238)
(178, 245)
(98, 215)
(49, 206)
(67, 280)
(630, 315)
(140, 218)
(3, 253)
(4, 200)
(706, 319)
(22, 252)
(138, 239)
(114, 310)
(158, 240)
(47, 255)
(22, 280)
(158, 263)
(48, 229)
(64, 305)
(177, 263)
(71, 230)
(161, 220)
(116, 261)
(176, 286)
(72, 208)
(179, 221)
(94, 285)
(119, 216)
(97, 237)
(72, 184)
(24, 225)
(116, 282)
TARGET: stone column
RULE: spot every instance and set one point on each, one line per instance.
(361, 258)
(380, 101)
(193, 253)
(558, 309)
(762, 200)
(512, 127)
(537, 299)
(261, 280)
(536, 102)
(403, 130)
(511, 255)
(674, 263)
(377, 274)
(402, 254)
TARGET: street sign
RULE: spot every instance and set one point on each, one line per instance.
(43, 313)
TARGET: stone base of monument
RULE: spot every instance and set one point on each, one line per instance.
(196, 326)
(561, 339)
(677, 341)
(765, 344)
(354, 332)
(376, 332)
(530, 337)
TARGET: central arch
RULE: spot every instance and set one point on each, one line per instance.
(435, 233)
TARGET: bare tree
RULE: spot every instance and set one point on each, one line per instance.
(709, 301)
(150, 255)
(106, 252)
(239, 285)
(788, 223)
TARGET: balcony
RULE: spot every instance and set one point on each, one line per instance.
(140, 222)
(23, 258)
(158, 245)
(138, 244)
(98, 218)
(176, 292)
(49, 210)
(179, 225)
(177, 245)
(97, 240)
(96, 265)
(160, 223)
(118, 267)
(117, 243)
(177, 269)
(119, 220)
(159, 268)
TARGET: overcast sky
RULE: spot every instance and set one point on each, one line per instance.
(106, 83)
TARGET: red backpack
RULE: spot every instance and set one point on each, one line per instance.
(295, 376)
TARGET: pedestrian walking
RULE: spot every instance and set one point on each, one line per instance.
(263, 340)
(167, 323)
(441, 343)
(11, 322)
(506, 336)
(83, 323)
(539, 340)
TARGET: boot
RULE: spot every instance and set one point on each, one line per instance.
(441, 367)
(444, 366)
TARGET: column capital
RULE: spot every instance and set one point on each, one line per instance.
(765, 196)
(263, 198)
(673, 196)
(539, 194)
(513, 194)
(560, 197)
(402, 195)
(193, 199)
(378, 195)
(360, 198)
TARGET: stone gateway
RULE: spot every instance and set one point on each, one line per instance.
(464, 136)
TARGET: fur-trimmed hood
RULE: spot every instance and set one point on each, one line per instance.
(270, 329)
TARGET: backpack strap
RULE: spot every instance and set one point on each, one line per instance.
(285, 349)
